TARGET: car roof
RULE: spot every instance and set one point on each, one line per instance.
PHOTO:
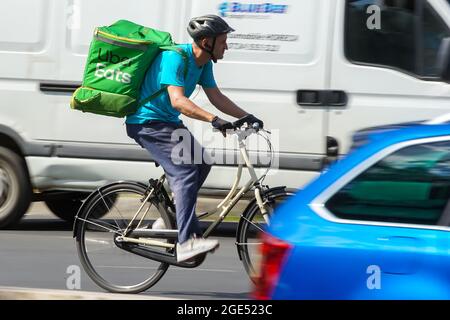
(399, 132)
(378, 140)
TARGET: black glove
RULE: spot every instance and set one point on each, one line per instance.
(221, 125)
(251, 119)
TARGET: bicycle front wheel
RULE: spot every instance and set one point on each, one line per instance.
(105, 217)
(252, 225)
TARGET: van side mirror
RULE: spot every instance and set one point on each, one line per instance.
(443, 59)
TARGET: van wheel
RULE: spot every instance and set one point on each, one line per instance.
(15, 188)
(65, 209)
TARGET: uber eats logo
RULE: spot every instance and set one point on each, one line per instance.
(108, 57)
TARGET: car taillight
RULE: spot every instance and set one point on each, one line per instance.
(274, 252)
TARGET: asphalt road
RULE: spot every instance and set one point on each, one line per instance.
(41, 253)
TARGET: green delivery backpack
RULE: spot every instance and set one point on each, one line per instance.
(118, 59)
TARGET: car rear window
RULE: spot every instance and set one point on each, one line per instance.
(412, 185)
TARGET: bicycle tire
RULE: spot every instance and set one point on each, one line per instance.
(89, 222)
(250, 227)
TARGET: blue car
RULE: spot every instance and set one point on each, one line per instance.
(374, 225)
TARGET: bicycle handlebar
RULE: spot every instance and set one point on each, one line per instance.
(240, 122)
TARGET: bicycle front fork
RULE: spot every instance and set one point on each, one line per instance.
(261, 204)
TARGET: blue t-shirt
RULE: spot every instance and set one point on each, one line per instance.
(168, 68)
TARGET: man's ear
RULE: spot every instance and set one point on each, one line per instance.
(205, 43)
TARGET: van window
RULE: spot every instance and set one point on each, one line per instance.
(411, 185)
(404, 35)
(23, 30)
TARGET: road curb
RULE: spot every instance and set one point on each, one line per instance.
(15, 293)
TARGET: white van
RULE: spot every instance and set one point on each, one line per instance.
(314, 70)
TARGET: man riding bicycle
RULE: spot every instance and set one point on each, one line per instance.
(154, 124)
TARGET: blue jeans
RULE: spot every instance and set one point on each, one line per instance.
(184, 172)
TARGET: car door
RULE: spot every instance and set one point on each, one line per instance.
(399, 207)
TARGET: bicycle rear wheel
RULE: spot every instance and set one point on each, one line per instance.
(252, 225)
(109, 266)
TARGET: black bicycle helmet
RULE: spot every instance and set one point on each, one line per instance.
(208, 26)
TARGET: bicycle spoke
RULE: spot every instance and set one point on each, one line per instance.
(101, 225)
(109, 209)
(97, 238)
(253, 224)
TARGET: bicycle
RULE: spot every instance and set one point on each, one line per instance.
(114, 234)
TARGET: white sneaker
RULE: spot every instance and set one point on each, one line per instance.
(195, 246)
(159, 224)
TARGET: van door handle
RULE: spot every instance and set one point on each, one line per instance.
(309, 97)
(58, 87)
(322, 98)
(336, 98)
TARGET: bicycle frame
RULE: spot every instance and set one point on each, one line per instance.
(232, 198)
(225, 206)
